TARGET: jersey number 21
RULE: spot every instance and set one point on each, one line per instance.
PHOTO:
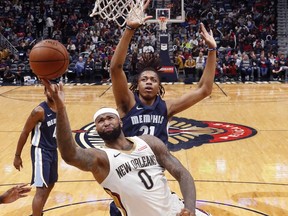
(147, 130)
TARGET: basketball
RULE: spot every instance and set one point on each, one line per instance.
(49, 59)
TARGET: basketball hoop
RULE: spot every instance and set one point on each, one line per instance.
(119, 10)
(162, 20)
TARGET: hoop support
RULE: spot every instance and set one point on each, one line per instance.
(162, 20)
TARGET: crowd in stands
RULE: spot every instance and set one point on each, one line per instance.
(245, 32)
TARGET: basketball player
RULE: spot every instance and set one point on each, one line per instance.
(130, 169)
(141, 107)
(42, 124)
(14, 193)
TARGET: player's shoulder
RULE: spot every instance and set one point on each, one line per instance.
(154, 142)
(38, 111)
(148, 137)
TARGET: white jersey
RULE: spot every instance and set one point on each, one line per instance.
(137, 182)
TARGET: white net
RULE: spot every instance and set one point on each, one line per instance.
(119, 10)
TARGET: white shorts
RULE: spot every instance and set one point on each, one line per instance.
(178, 205)
(200, 212)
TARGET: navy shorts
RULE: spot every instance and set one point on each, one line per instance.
(44, 167)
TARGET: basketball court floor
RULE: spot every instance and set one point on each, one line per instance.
(234, 143)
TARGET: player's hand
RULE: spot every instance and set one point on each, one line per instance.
(56, 91)
(207, 36)
(137, 17)
(15, 193)
(18, 162)
(185, 212)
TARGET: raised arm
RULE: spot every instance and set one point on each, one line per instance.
(84, 159)
(124, 98)
(176, 169)
(205, 84)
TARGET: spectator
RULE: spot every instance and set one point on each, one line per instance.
(105, 68)
(80, 68)
(179, 61)
(200, 63)
(39, 26)
(3, 65)
(264, 66)
(277, 72)
(255, 67)
(89, 68)
(233, 70)
(19, 75)
(9, 76)
(71, 47)
(49, 25)
(134, 62)
(245, 68)
(190, 65)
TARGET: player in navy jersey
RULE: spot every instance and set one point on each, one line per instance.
(141, 107)
(42, 125)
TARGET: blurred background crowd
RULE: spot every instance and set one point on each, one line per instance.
(245, 31)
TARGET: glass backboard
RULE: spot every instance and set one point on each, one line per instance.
(173, 10)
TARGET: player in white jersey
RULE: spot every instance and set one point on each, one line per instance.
(137, 173)
(130, 169)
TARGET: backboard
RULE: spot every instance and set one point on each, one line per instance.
(173, 10)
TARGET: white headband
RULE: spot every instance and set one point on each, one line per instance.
(105, 110)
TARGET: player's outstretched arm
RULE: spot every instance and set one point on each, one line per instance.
(70, 152)
(205, 84)
(123, 96)
(15, 193)
(207, 78)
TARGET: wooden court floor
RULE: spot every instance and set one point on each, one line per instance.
(236, 173)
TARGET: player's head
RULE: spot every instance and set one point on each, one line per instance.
(147, 82)
(108, 123)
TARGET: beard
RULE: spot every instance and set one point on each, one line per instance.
(112, 135)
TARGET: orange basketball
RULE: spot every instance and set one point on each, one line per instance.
(49, 59)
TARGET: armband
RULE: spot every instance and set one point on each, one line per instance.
(212, 49)
(130, 28)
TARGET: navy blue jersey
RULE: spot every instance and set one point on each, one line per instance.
(143, 119)
(44, 133)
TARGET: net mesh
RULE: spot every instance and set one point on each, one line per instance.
(119, 10)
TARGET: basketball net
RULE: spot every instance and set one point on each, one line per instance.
(119, 10)
(162, 23)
